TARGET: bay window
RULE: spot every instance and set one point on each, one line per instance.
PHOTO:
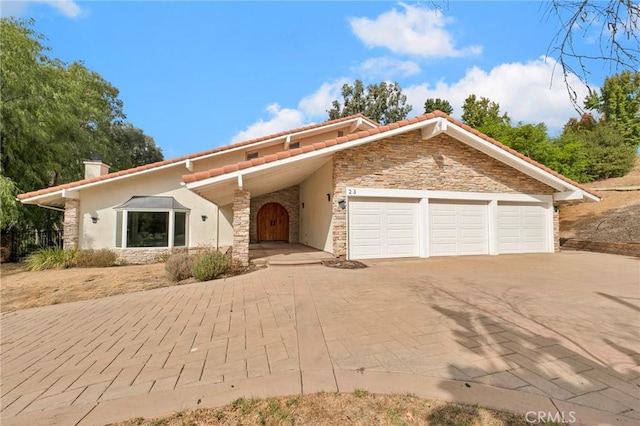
(151, 222)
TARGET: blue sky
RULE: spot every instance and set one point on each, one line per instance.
(196, 75)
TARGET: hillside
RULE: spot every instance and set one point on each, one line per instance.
(616, 218)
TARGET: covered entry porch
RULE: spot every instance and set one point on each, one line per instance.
(286, 203)
(283, 253)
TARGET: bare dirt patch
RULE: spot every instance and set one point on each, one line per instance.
(615, 219)
(23, 289)
(359, 408)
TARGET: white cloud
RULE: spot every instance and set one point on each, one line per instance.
(281, 119)
(523, 90)
(310, 107)
(416, 30)
(386, 68)
(319, 102)
(68, 8)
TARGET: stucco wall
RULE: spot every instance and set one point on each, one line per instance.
(408, 162)
(290, 200)
(315, 217)
(100, 201)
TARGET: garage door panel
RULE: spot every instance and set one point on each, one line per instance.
(367, 234)
(444, 234)
(394, 221)
(402, 220)
(473, 248)
(457, 228)
(443, 217)
(522, 228)
(473, 234)
(399, 234)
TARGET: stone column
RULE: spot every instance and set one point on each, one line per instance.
(71, 224)
(556, 228)
(241, 219)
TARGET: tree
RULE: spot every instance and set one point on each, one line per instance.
(10, 211)
(616, 22)
(134, 148)
(384, 103)
(604, 152)
(438, 104)
(619, 104)
(482, 114)
(53, 116)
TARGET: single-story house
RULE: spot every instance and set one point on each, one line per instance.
(422, 187)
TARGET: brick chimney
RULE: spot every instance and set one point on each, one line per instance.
(95, 168)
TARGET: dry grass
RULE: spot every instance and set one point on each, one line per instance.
(357, 408)
(22, 289)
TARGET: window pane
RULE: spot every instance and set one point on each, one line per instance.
(180, 230)
(119, 229)
(148, 229)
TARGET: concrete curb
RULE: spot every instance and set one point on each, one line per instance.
(284, 384)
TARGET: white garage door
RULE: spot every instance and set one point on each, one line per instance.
(457, 228)
(522, 228)
(382, 228)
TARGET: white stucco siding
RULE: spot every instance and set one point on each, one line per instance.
(315, 217)
(100, 201)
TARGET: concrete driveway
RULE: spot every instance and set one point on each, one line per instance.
(553, 332)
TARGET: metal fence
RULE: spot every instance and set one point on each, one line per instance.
(17, 244)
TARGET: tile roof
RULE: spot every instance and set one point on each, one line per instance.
(185, 157)
(194, 177)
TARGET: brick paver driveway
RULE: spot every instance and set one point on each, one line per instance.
(562, 328)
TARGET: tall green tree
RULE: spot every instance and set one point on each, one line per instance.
(483, 114)
(443, 105)
(53, 116)
(10, 208)
(619, 104)
(134, 147)
(594, 152)
(383, 102)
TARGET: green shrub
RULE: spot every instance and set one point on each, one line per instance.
(210, 266)
(50, 258)
(179, 265)
(95, 258)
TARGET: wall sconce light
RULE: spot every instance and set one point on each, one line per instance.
(204, 217)
(329, 197)
(556, 209)
(303, 205)
(342, 204)
(94, 219)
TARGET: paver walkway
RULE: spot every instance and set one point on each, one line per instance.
(524, 332)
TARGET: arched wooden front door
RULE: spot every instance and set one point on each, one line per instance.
(273, 223)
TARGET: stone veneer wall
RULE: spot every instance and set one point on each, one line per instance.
(407, 162)
(556, 229)
(71, 224)
(290, 200)
(143, 256)
(241, 209)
